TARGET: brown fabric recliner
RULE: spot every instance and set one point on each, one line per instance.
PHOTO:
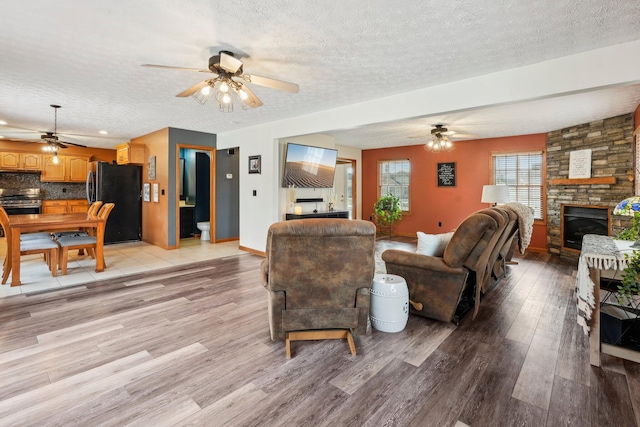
(439, 282)
(318, 273)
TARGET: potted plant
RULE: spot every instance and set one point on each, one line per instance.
(387, 210)
(630, 233)
(630, 285)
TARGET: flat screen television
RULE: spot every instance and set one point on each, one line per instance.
(309, 167)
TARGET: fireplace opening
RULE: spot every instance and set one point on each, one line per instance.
(580, 220)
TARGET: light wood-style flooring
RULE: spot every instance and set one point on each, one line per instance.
(190, 346)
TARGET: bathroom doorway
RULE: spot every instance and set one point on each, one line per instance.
(195, 179)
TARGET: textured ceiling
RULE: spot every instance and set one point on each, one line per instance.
(87, 56)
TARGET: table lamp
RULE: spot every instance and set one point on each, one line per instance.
(495, 194)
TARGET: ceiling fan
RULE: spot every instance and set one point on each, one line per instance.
(441, 138)
(228, 77)
(50, 138)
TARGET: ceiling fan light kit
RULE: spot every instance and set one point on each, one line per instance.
(439, 141)
(229, 78)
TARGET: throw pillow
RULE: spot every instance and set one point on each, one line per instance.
(433, 244)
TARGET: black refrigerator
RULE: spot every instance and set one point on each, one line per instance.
(119, 184)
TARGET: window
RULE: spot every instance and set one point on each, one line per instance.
(393, 179)
(522, 172)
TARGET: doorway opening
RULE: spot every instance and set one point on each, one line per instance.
(195, 181)
(344, 186)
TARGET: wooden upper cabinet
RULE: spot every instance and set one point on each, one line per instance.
(52, 171)
(130, 154)
(77, 168)
(20, 161)
(31, 161)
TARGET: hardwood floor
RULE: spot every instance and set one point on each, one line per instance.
(190, 346)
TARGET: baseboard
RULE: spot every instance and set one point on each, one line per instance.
(252, 251)
(230, 239)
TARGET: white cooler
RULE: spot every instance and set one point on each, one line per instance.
(389, 309)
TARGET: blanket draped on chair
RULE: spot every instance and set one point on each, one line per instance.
(525, 223)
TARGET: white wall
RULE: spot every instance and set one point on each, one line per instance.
(614, 65)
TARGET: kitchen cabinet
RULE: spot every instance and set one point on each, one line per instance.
(64, 206)
(20, 161)
(68, 169)
(74, 206)
(77, 168)
(129, 154)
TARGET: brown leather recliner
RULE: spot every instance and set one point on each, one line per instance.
(438, 283)
(318, 273)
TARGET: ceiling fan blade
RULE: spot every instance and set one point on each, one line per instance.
(229, 63)
(193, 89)
(170, 67)
(271, 83)
(61, 145)
(73, 143)
(252, 101)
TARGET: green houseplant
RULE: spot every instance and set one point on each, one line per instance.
(387, 210)
(630, 285)
(630, 233)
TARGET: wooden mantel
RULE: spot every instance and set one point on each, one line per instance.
(583, 181)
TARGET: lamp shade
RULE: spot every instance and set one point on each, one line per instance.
(628, 206)
(495, 194)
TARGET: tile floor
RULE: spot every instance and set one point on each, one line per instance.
(121, 259)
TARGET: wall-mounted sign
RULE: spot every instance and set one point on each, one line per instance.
(447, 174)
(580, 164)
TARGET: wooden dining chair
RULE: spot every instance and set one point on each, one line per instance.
(44, 246)
(66, 243)
(94, 208)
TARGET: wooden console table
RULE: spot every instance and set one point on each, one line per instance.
(598, 253)
(334, 214)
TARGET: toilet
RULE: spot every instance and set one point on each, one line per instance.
(204, 228)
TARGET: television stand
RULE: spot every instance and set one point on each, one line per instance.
(334, 214)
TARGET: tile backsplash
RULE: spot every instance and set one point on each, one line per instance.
(48, 190)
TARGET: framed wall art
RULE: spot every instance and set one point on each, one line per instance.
(146, 192)
(446, 174)
(152, 168)
(255, 164)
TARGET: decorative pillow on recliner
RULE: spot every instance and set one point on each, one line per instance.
(432, 244)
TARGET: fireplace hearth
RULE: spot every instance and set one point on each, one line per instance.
(579, 220)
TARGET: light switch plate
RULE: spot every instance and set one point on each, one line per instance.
(229, 176)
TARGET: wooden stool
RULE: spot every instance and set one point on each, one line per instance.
(322, 334)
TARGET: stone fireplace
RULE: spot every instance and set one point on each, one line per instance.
(612, 174)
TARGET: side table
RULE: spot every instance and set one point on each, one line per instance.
(389, 303)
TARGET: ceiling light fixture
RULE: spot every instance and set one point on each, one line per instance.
(103, 132)
(222, 87)
(439, 141)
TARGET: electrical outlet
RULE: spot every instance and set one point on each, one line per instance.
(439, 224)
(255, 192)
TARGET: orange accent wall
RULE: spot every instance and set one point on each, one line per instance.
(430, 204)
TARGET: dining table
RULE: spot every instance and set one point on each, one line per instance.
(53, 222)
